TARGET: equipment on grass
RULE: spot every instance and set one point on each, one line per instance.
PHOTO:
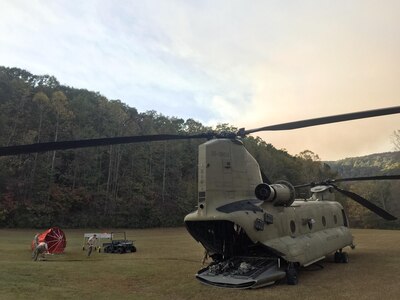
(120, 246)
(54, 238)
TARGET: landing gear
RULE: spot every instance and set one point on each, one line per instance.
(341, 257)
(291, 274)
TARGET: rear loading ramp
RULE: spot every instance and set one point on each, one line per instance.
(242, 272)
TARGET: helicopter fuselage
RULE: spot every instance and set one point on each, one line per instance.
(231, 222)
(303, 233)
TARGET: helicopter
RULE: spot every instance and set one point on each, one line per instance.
(256, 232)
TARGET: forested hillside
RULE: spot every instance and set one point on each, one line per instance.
(374, 164)
(140, 185)
(384, 193)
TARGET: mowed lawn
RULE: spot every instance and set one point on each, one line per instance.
(165, 264)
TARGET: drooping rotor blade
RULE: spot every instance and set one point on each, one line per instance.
(305, 185)
(264, 177)
(63, 145)
(364, 202)
(325, 120)
(330, 181)
(382, 177)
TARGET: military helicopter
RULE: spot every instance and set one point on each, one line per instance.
(255, 231)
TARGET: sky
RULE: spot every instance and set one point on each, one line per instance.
(246, 63)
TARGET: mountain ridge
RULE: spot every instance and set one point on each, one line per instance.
(385, 163)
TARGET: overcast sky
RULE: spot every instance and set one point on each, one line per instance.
(247, 63)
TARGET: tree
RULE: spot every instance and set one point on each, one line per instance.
(42, 102)
(308, 155)
(396, 139)
(59, 106)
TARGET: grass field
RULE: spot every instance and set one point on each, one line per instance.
(165, 265)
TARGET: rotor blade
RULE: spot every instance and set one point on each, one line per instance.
(325, 120)
(364, 202)
(305, 185)
(265, 178)
(63, 145)
(329, 181)
(382, 177)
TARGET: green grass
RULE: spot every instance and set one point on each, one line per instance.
(165, 265)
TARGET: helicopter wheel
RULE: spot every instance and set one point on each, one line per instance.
(345, 258)
(341, 257)
(291, 275)
(338, 257)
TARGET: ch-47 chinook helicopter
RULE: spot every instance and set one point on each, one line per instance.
(255, 231)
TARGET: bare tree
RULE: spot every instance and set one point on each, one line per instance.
(396, 139)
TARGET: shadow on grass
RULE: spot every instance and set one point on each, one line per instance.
(70, 260)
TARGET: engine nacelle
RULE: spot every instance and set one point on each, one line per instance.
(281, 193)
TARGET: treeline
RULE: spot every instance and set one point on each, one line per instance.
(139, 185)
(383, 193)
(374, 164)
